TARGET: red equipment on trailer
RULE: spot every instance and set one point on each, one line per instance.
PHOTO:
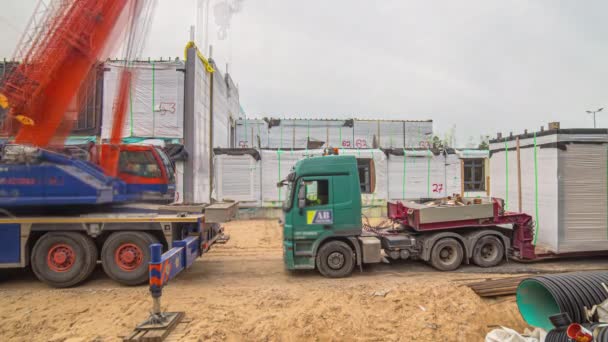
(424, 218)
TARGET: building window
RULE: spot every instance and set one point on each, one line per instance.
(367, 175)
(474, 175)
(317, 192)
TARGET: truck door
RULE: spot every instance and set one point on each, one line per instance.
(347, 207)
(314, 216)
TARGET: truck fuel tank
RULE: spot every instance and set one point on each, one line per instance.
(391, 242)
(398, 246)
(370, 249)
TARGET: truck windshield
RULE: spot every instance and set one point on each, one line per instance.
(289, 181)
(139, 163)
(168, 165)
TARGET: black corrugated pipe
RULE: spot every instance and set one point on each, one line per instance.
(600, 333)
(540, 297)
(557, 335)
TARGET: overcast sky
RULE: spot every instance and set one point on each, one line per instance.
(484, 66)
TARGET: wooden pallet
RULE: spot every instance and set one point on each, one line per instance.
(150, 333)
(497, 287)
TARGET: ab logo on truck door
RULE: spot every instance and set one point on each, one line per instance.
(319, 217)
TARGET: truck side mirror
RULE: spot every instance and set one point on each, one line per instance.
(302, 196)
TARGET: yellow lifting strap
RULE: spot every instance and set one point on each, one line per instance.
(3, 102)
(25, 120)
(208, 65)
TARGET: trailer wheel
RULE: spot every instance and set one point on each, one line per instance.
(488, 251)
(335, 259)
(125, 257)
(447, 254)
(63, 259)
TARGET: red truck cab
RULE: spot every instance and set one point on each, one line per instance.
(147, 171)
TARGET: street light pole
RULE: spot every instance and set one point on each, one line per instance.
(594, 112)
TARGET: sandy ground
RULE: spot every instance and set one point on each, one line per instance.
(241, 292)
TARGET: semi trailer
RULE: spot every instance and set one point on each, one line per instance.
(323, 227)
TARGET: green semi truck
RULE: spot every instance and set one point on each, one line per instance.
(323, 228)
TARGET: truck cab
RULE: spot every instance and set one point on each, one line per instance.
(322, 215)
(147, 171)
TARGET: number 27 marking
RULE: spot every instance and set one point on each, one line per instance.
(437, 187)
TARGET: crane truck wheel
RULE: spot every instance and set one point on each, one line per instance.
(335, 259)
(125, 257)
(447, 254)
(488, 251)
(63, 259)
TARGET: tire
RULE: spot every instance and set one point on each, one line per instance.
(63, 259)
(488, 251)
(335, 259)
(447, 254)
(125, 257)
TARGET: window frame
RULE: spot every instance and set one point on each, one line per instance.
(475, 165)
(368, 185)
(329, 195)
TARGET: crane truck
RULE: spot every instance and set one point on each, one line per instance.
(63, 215)
(323, 227)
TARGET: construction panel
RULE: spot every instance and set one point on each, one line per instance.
(238, 179)
(583, 184)
(156, 101)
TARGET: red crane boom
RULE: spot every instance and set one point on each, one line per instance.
(55, 59)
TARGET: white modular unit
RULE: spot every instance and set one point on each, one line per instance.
(251, 133)
(564, 182)
(223, 111)
(201, 154)
(415, 174)
(340, 134)
(297, 133)
(238, 176)
(234, 109)
(418, 133)
(365, 134)
(156, 99)
(351, 133)
(392, 133)
(276, 165)
(280, 136)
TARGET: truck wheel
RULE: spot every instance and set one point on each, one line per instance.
(447, 254)
(63, 259)
(335, 259)
(125, 257)
(488, 251)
